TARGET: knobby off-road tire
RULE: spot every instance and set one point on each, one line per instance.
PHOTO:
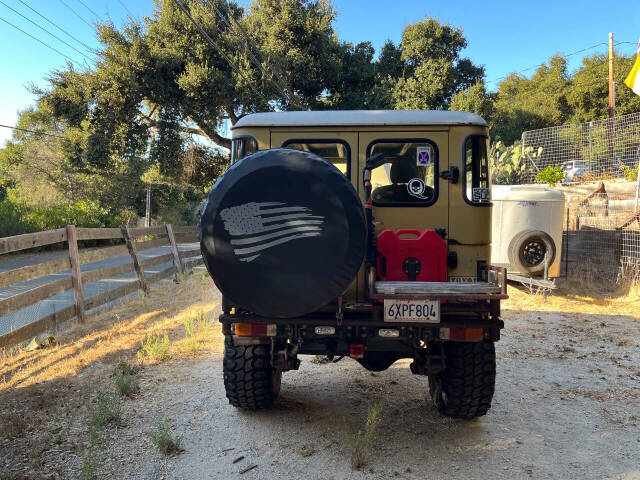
(465, 388)
(250, 382)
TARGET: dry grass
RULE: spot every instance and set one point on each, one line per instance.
(155, 348)
(48, 404)
(12, 425)
(199, 332)
(111, 334)
(571, 300)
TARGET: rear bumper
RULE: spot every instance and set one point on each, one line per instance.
(463, 306)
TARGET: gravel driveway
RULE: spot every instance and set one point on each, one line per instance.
(567, 405)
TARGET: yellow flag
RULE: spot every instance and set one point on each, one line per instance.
(633, 79)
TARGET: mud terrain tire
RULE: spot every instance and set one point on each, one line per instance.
(465, 388)
(249, 380)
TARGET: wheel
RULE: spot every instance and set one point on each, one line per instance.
(250, 381)
(528, 249)
(283, 233)
(465, 388)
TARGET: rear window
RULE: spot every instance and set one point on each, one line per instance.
(475, 175)
(409, 175)
(242, 146)
(337, 152)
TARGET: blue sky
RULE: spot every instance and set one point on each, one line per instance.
(504, 36)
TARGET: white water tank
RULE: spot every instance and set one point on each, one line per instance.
(526, 225)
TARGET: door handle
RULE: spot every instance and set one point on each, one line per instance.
(453, 174)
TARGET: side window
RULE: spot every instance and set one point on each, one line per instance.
(337, 152)
(410, 174)
(241, 147)
(476, 171)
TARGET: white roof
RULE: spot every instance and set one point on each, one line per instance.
(359, 118)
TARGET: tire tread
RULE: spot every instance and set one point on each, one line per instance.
(248, 375)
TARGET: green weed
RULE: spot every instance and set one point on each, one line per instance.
(107, 410)
(160, 436)
(197, 329)
(155, 347)
(126, 385)
(362, 441)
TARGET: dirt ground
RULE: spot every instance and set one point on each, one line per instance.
(567, 403)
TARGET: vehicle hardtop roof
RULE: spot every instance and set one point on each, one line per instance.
(359, 118)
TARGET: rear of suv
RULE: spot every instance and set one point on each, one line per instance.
(357, 233)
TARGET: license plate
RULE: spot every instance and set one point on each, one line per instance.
(424, 311)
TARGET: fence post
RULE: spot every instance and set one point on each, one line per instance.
(134, 258)
(76, 274)
(174, 249)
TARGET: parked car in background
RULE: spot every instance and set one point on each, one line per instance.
(574, 170)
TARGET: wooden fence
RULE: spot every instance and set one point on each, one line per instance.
(131, 241)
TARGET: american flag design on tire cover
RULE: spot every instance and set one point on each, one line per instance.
(255, 227)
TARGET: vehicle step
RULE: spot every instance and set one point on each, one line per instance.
(435, 288)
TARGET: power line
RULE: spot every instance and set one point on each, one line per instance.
(74, 12)
(217, 47)
(87, 7)
(495, 80)
(125, 7)
(40, 41)
(37, 132)
(91, 50)
(45, 30)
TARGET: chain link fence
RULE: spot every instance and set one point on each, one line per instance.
(600, 149)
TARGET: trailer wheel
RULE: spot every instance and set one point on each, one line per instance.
(527, 251)
(250, 381)
(464, 389)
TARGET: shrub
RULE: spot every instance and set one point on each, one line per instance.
(629, 173)
(18, 217)
(13, 218)
(550, 175)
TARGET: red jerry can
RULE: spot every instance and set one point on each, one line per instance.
(419, 256)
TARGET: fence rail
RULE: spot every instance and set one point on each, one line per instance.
(133, 241)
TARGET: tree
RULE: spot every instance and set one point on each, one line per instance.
(432, 68)
(351, 87)
(474, 99)
(588, 96)
(163, 74)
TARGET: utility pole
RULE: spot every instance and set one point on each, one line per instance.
(147, 217)
(612, 86)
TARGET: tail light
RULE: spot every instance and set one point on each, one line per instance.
(462, 334)
(255, 330)
(356, 350)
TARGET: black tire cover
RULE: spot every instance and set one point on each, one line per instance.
(282, 233)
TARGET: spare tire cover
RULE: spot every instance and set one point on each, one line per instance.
(283, 233)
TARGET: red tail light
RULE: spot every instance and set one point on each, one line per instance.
(356, 350)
